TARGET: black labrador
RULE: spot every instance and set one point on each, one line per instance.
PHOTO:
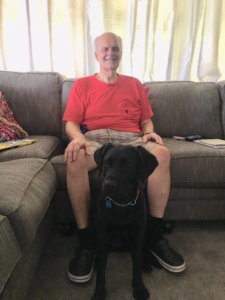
(121, 204)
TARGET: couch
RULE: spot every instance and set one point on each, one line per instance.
(33, 195)
(28, 180)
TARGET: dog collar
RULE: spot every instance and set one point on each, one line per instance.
(109, 201)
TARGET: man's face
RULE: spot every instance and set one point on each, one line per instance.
(108, 52)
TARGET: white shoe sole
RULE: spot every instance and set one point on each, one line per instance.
(81, 279)
(173, 269)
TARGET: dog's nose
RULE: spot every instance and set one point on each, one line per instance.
(110, 185)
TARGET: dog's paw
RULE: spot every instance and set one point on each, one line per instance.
(99, 295)
(141, 293)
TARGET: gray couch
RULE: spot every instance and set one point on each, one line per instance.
(33, 194)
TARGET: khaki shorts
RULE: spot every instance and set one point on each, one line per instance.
(99, 137)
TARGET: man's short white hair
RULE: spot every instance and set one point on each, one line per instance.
(119, 40)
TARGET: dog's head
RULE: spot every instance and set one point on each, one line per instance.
(123, 168)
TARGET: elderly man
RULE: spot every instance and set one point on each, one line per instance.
(110, 107)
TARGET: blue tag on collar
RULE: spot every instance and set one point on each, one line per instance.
(108, 203)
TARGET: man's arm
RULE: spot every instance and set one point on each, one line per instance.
(147, 128)
(77, 141)
(73, 130)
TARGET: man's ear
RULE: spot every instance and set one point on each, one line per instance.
(148, 163)
(96, 56)
(100, 153)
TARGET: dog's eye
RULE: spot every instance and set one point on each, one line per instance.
(108, 163)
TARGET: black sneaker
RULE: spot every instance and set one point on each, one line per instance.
(167, 257)
(81, 267)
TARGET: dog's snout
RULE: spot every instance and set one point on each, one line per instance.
(110, 185)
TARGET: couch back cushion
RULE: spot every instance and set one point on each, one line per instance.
(221, 87)
(67, 85)
(186, 108)
(35, 99)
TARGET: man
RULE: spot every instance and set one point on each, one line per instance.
(113, 108)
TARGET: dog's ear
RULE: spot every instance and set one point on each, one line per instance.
(100, 153)
(148, 163)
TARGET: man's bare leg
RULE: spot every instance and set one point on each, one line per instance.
(78, 187)
(158, 189)
(81, 266)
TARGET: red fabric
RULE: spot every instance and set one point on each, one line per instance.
(9, 127)
(98, 105)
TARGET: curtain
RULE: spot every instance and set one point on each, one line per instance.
(162, 39)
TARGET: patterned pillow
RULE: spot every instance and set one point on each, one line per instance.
(9, 127)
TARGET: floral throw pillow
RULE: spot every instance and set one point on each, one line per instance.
(9, 127)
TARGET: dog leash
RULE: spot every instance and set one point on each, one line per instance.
(109, 201)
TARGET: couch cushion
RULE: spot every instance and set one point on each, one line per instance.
(67, 85)
(26, 187)
(9, 251)
(35, 99)
(196, 204)
(186, 108)
(196, 166)
(60, 169)
(221, 87)
(45, 147)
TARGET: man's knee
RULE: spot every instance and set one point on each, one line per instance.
(76, 166)
(163, 156)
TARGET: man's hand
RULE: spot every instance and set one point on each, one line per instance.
(152, 137)
(74, 147)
